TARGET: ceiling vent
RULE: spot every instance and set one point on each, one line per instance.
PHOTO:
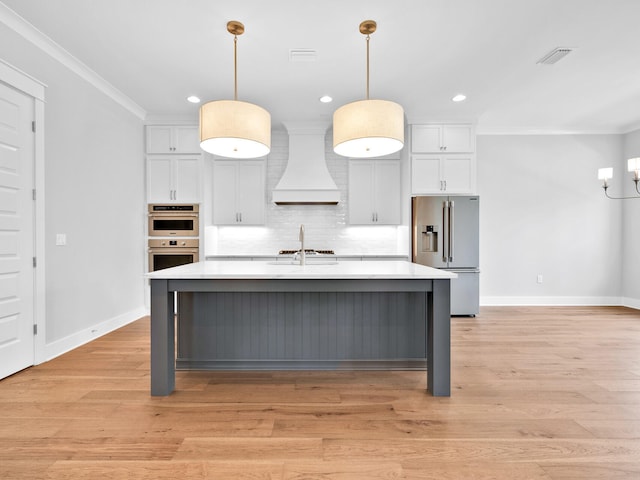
(301, 55)
(555, 55)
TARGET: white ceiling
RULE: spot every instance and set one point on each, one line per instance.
(158, 52)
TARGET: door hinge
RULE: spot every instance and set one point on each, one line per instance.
(35, 329)
(34, 262)
(33, 126)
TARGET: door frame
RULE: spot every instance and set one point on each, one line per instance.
(25, 83)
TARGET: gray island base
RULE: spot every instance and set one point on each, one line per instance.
(323, 300)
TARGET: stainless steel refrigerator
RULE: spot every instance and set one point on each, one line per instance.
(445, 234)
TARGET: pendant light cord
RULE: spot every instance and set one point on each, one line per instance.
(235, 67)
(368, 37)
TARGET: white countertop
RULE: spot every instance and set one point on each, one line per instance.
(273, 270)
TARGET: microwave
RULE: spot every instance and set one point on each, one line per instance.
(174, 220)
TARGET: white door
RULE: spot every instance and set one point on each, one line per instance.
(361, 207)
(187, 179)
(225, 183)
(17, 344)
(387, 193)
(251, 189)
(159, 179)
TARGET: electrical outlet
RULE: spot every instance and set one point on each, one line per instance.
(539, 278)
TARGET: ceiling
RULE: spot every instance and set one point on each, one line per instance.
(157, 52)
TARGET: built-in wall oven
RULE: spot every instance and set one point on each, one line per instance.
(174, 220)
(169, 252)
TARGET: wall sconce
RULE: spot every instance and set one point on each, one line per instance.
(606, 174)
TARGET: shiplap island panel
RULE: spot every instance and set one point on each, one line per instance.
(291, 316)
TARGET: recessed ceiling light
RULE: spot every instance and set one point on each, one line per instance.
(326, 99)
(193, 99)
(459, 98)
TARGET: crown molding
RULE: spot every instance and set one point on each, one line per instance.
(496, 130)
(30, 33)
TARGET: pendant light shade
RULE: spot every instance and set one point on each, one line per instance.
(231, 128)
(368, 128)
(234, 129)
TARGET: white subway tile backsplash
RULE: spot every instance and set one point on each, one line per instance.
(326, 226)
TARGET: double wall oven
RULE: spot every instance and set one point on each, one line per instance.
(174, 231)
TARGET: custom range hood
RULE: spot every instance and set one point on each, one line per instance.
(306, 179)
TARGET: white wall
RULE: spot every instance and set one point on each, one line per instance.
(94, 178)
(543, 212)
(630, 225)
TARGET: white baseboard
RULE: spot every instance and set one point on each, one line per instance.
(555, 301)
(64, 345)
(631, 302)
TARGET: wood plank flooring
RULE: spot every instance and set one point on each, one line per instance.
(537, 393)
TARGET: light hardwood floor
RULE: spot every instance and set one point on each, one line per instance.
(538, 393)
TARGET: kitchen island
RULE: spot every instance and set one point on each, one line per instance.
(305, 295)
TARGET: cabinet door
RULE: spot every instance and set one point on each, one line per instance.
(159, 139)
(187, 139)
(459, 174)
(224, 193)
(457, 138)
(386, 192)
(426, 174)
(251, 193)
(187, 179)
(426, 138)
(159, 180)
(361, 205)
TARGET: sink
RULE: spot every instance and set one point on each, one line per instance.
(308, 262)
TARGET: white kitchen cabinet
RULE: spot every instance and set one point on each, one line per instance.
(374, 192)
(453, 138)
(238, 192)
(173, 139)
(173, 179)
(440, 174)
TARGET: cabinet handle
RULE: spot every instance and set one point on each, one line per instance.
(376, 217)
(240, 217)
(445, 185)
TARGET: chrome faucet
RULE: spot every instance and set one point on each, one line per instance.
(301, 238)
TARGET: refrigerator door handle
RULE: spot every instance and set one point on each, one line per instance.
(445, 230)
(451, 229)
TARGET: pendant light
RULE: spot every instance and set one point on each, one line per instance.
(234, 129)
(368, 128)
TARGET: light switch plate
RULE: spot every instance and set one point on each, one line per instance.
(61, 238)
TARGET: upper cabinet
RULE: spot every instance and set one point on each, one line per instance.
(173, 179)
(443, 159)
(374, 192)
(173, 139)
(443, 174)
(174, 164)
(239, 192)
(453, 138)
